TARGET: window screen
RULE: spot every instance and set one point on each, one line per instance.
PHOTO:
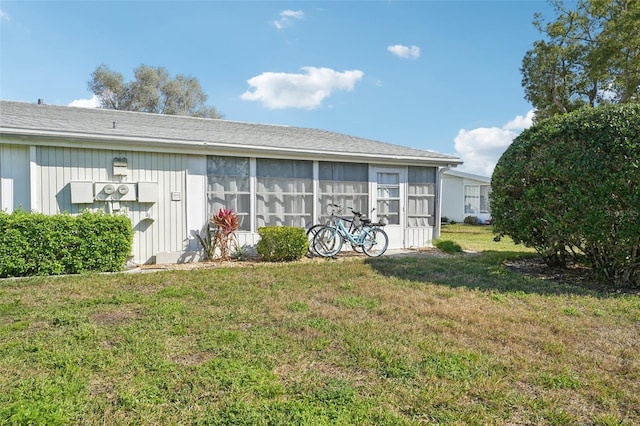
(284, 192)
(228, 187)
(421, 196)
(345, 184)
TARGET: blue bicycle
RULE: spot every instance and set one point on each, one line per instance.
(368, 236)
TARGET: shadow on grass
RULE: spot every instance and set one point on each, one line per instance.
(482, 271)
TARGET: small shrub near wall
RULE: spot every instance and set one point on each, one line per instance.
(282, 243)
(471, 220)
(37, 244)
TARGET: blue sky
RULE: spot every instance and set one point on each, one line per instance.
(436, 75)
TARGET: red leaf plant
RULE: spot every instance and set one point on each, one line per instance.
(227, 224)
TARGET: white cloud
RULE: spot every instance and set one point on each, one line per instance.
(481, 148)
(405, 52)
(3, 16)
(520, 122)
(94, 102)
(307, 90)
(287, 17)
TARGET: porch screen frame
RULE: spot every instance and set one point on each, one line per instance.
(284, 192)
(421, 196)
(228, 186)
(346, 184)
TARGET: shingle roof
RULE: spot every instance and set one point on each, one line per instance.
(54, 120)
(462, 174)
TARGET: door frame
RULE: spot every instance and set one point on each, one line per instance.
(395, 232)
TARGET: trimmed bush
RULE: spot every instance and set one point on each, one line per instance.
(471, 220)
(37, 244)
(569, 187)
(282, 243)
(448, 246)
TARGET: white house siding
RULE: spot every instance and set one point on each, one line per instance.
(452, 198)
(418, 237)
(14, 178)
(453, 192)
(158, 227)
(164, 231)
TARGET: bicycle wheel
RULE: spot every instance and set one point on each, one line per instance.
(327, 242)
(311, 234)
(375, 242)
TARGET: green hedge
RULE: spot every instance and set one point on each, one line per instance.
(37, 244)
(569, 186)
(282, 243)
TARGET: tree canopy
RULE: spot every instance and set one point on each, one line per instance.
(569, 186)
(153, 90)
(590, 57)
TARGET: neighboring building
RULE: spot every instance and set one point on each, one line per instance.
(465, 194)
(170, 174)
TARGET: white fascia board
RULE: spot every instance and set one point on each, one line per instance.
(182, 146)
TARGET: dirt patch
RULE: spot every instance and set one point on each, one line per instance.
(117, 316)
(573, 274)
(343, 256)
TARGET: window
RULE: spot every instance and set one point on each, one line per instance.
(476, 199)
(284, 192)
(346, 184)
(388, 194)
(228, 187)
(421, 196)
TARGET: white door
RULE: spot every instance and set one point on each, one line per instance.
(388, 201)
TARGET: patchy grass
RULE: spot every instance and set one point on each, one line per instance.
(479, 238)
(391, 340)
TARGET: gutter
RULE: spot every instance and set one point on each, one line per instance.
(201, 147)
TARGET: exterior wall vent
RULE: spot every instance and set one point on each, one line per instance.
(120, 166)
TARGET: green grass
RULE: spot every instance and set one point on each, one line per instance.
(384, 341)
(479, 238)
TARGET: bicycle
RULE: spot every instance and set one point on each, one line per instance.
(355, 223)
(368, 236)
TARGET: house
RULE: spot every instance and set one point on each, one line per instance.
(170, 174)
(465, 194)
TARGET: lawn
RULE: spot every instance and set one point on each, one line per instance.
(395, 340)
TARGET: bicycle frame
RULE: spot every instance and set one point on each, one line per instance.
(357, 238)
(362, 235)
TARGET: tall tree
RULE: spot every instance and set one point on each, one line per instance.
(153, 90)
(591, 56)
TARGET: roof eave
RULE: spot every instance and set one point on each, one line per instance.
(71, 139)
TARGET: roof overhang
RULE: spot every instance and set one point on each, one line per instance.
(194, 147)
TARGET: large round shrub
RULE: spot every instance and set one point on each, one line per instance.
(569, 186)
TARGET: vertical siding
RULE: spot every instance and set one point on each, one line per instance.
(158, 227)
(14, 177)
(418, 237)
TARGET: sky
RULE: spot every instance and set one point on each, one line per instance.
(441, 76)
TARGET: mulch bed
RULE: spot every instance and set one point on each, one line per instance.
(573, 274)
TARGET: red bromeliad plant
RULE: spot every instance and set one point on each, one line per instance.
(227, 223)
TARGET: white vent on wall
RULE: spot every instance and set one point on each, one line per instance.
(119, 165)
